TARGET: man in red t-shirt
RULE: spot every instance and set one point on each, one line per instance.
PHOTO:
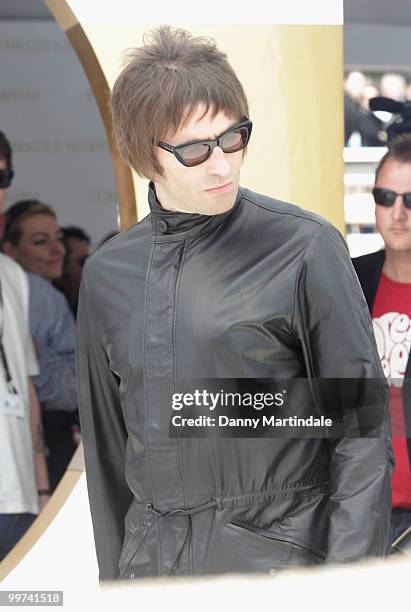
(385, 277)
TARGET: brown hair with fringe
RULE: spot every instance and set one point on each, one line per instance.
(160, 88)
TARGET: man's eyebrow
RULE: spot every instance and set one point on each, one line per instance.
(193, 140)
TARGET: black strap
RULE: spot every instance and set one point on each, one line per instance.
(3, 355)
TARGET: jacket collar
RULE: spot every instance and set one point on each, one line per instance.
(171, 225)
(370, 276)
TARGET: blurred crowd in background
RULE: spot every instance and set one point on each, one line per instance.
(363, 127)
(41, 266)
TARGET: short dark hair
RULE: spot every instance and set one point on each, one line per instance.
(19, 211)
(72, 231)
(399, 150)
(5, 150)
(161, 87)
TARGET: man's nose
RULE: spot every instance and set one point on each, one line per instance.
(218, 163)
(398, 211)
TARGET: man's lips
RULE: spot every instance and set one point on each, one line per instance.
(398, 230)
(225, 186)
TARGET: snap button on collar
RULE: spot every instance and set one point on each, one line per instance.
(162, 226)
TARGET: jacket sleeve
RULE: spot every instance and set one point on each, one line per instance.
(337, 341)
(104, 438)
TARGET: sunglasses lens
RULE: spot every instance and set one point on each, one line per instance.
(235, 140)
(195, 154)
(5, 178)
(384, 197)
(407, 199)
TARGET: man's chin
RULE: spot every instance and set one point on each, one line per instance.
(219, 209)
(219, 205)
(399, 244)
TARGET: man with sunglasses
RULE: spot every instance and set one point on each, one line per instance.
(218, 286)
(385, 277)
(6, 173)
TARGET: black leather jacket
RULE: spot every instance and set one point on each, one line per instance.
(264, 290)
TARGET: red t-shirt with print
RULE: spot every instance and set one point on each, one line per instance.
(392, 327)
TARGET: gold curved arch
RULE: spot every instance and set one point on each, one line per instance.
(74, 31)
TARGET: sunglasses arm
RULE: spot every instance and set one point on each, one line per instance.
(165, 146)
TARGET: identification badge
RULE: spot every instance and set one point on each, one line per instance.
(12, 404)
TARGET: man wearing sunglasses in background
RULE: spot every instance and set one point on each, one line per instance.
(218, 282)
(6, 174)
(385, 277)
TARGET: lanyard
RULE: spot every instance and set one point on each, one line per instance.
(3, 355)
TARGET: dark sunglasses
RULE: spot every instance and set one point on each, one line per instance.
(198, 151)
(6, 176)
(387, 197)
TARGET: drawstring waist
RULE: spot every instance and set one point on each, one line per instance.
(240, 501)
(187, 512)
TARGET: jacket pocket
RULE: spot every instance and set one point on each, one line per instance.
(298, 544)
(239, 547)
